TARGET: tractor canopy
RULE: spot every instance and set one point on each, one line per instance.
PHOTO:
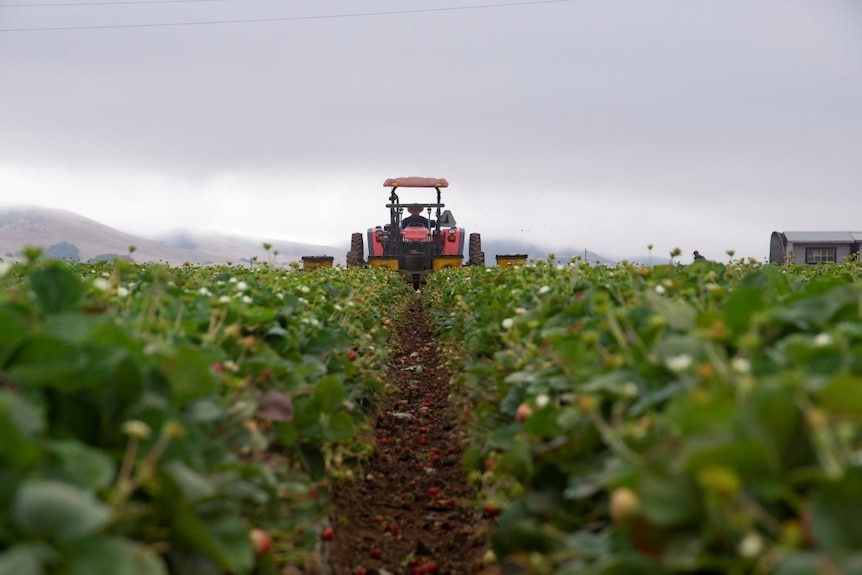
(416, 182)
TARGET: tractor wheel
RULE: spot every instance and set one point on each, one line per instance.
(354, 256)
(477, 256)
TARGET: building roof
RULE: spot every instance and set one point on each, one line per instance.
(824, 237)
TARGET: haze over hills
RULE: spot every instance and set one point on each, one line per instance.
(65, 234)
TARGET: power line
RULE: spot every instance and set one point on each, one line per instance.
(56, 4)
(282, 19)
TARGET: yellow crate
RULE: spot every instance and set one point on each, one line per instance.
(313, 262)
(383, 262)
(511, 260)
(440, 262)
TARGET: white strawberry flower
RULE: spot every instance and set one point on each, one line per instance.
(823, 339)
(740, 365)
(680, 362)
(751, 545)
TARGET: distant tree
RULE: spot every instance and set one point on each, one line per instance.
(63, 251)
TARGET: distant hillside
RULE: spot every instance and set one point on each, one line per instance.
(494, 247)
(66, 234)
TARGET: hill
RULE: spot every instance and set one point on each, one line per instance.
(65, 234)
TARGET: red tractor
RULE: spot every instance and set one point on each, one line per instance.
(417, 244)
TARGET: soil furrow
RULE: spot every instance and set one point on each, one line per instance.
(411, 510)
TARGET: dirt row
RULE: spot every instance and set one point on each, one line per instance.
(411, 509)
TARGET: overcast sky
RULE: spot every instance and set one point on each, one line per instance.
(575, 124)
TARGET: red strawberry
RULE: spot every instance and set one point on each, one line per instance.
(260, 541)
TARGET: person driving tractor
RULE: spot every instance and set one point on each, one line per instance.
(415, 219)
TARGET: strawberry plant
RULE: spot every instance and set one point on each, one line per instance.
(675, 419)
(178, 420)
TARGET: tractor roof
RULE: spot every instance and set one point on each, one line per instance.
(416, 182)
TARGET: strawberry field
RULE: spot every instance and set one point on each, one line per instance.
(551, 418)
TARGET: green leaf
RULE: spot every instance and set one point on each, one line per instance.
(588, 544)
(148, 562)
(741, 305)
(191, 562)
(206, 411)
(112, 555)
(680, 315)
(231, 535)
(225, 540)
(503, 437)
(612, 383)
(286, 431)
(676, 345)
(13, 331)
(81, 465)
(58, 511)
(257, 315)
(817, 311)
(322, 342)
(842, 395)
(543, 423)
(517, 461)
(189, 375)
(836, 517)
(339, 427)
(307, 417)
(769, 415)
(329, 393)
(748, 458)
(48, 361)
(670, 501)
(192, 484)
(72, 326)
(312, 459)
(57, 288)
(20, 426)
(24, 559)
(811, 562)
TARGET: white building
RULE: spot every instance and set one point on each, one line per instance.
(813, 247)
